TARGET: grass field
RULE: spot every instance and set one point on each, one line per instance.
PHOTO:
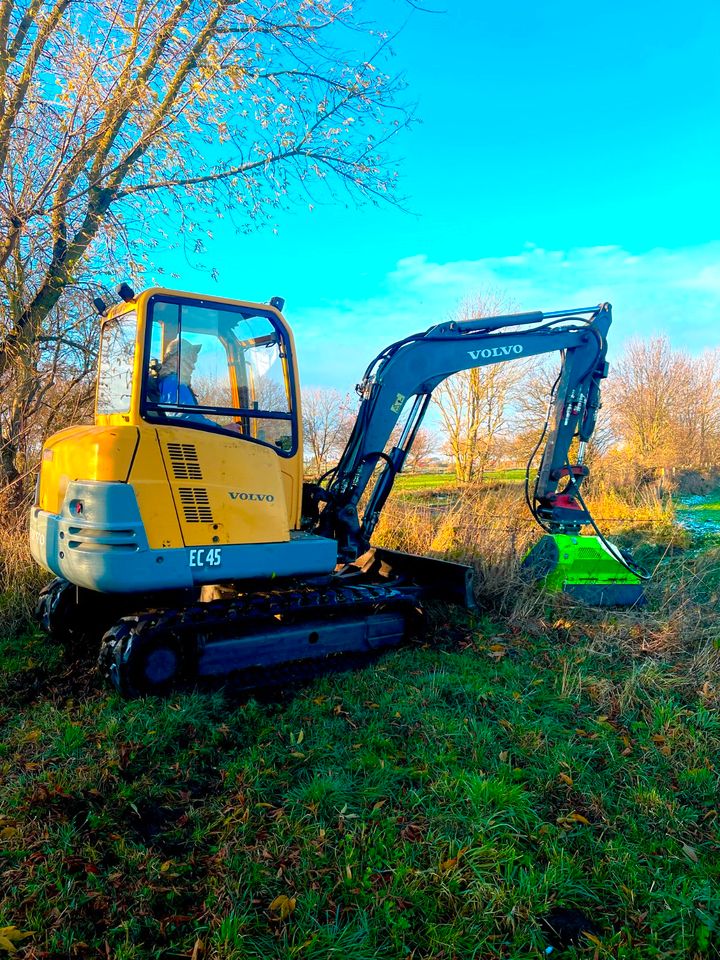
(441, 802)
(433, 481)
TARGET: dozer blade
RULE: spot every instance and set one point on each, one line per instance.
(585, 568)
(440, 580)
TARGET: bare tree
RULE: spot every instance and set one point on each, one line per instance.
(660, 409)
(700, 414)
(51, 383)
(474, 404)
(421, 452)
(649, 393)
(530, 408)
(125, 124)
(326, 426)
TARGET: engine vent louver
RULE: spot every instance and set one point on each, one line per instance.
(195, 504)
(184, 460)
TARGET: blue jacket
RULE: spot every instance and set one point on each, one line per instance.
(169, 393)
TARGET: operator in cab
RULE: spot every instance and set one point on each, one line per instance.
(175, 378)
(176, 372)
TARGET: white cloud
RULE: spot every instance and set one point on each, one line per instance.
(659, 291)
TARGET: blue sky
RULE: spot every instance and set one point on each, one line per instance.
(567, 153)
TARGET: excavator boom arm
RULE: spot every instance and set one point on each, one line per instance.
(412, 368)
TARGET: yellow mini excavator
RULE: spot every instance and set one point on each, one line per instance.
(183, 539)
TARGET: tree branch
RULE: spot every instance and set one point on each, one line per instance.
(10, 114)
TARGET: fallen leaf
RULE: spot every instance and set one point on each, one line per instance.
(198, 951)
(570, 818)
(283, 906)
(691, 852)
(566, 779)
(578, 818)
(453, 861)
(10, 936)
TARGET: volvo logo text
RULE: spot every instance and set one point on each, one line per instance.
(488, 352)
(237, 495)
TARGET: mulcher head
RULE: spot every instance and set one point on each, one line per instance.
(586, 569)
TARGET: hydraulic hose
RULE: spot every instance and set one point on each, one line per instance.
(630, 565)
(528, 467)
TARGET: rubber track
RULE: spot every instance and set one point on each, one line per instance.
(187, 627)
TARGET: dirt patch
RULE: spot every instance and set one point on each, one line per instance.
(78, 679)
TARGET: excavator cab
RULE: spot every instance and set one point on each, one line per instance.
(208, 365)
(192, 472)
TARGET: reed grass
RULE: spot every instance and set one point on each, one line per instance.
(490, 527)
(20, 580)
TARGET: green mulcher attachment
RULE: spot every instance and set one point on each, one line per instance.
(586, 568)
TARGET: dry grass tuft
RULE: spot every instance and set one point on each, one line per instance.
(491, 528)
(20, 581)
(638, 506)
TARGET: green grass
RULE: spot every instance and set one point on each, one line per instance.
(435, 804)
(423, 481)
(515, 474)
(430, 481)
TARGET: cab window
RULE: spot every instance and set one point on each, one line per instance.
(219, 367)
(117, 360)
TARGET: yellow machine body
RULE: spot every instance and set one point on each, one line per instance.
(156, 497)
